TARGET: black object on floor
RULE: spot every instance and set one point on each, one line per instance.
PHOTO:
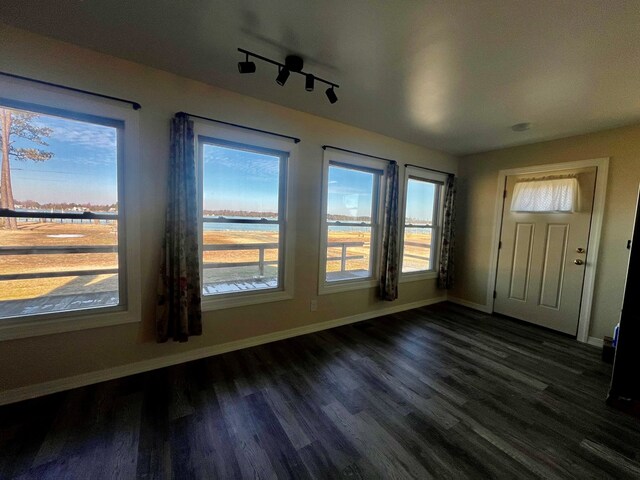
(608, 350)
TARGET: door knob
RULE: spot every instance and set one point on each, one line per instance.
(577, 261)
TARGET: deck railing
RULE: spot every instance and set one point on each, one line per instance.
(92, 249)
(261, 247)
(57, 250)
(343, 256)
(418, 244)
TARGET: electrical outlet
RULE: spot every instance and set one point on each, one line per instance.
(313, 305)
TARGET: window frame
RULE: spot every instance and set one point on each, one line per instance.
(206, 132)
(50, 100)
(360, 163)
(439, 179)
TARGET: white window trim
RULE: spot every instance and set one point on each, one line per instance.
(203, 128)
(436, 177)
(128, 186)
(324, 287)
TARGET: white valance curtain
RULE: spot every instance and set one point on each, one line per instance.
(546, 195)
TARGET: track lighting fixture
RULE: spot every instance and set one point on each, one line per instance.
(308, 82)
(283, 75)
(292, 63)
(331, 95)
(246, 66)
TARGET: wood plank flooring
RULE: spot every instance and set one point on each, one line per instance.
(437, 392)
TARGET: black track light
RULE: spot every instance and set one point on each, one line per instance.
(246, 66)
(308, 83)
(331, 95)
(292, 64)
(283, 75)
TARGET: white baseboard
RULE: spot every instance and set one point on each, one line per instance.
(466, 303)
(59, 385)
(595, 341)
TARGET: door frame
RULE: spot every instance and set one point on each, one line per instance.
(597, 217)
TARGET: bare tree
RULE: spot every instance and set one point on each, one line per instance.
(18, 124)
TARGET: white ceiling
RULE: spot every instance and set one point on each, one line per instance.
(452, 74)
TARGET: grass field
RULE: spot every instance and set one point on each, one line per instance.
(45, 234)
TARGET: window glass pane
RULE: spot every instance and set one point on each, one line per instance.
(420, 202)
(350, 194)
(63, 166)
(553, 195)
(348, 253)
(417, 250)
(239, 257)
(240, 184)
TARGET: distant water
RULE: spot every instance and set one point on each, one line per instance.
(261, 227)
(240, 227)
(208, 226)
(63, 220)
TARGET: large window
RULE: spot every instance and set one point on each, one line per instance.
(422, 220)
(61, 235)
(352, 210)
(243, 218)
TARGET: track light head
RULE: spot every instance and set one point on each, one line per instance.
(246, 67)
(283, 75)
(308, 83)
(331, 95)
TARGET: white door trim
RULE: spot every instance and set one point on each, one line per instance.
(597, 215)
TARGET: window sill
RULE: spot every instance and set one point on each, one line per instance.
(345, 286)
(35, 326)
(219, 302)
(417, 276)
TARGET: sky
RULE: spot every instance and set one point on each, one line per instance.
(248, 181)
(240, 180)
(83, 168)
(350, 193)
(420, 195)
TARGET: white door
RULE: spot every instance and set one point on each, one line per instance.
(542, 258)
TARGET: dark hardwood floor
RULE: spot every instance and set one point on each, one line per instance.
(437, 392)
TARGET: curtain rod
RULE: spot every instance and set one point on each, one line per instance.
(548, 177)
(135, 105)
(295, 139)
(324, 147)
(430, 169)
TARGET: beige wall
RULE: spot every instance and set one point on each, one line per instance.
(39, 359)
(477, 197)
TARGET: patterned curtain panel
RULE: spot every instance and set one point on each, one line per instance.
(445, 274)
(178, 314)
(390, 231)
